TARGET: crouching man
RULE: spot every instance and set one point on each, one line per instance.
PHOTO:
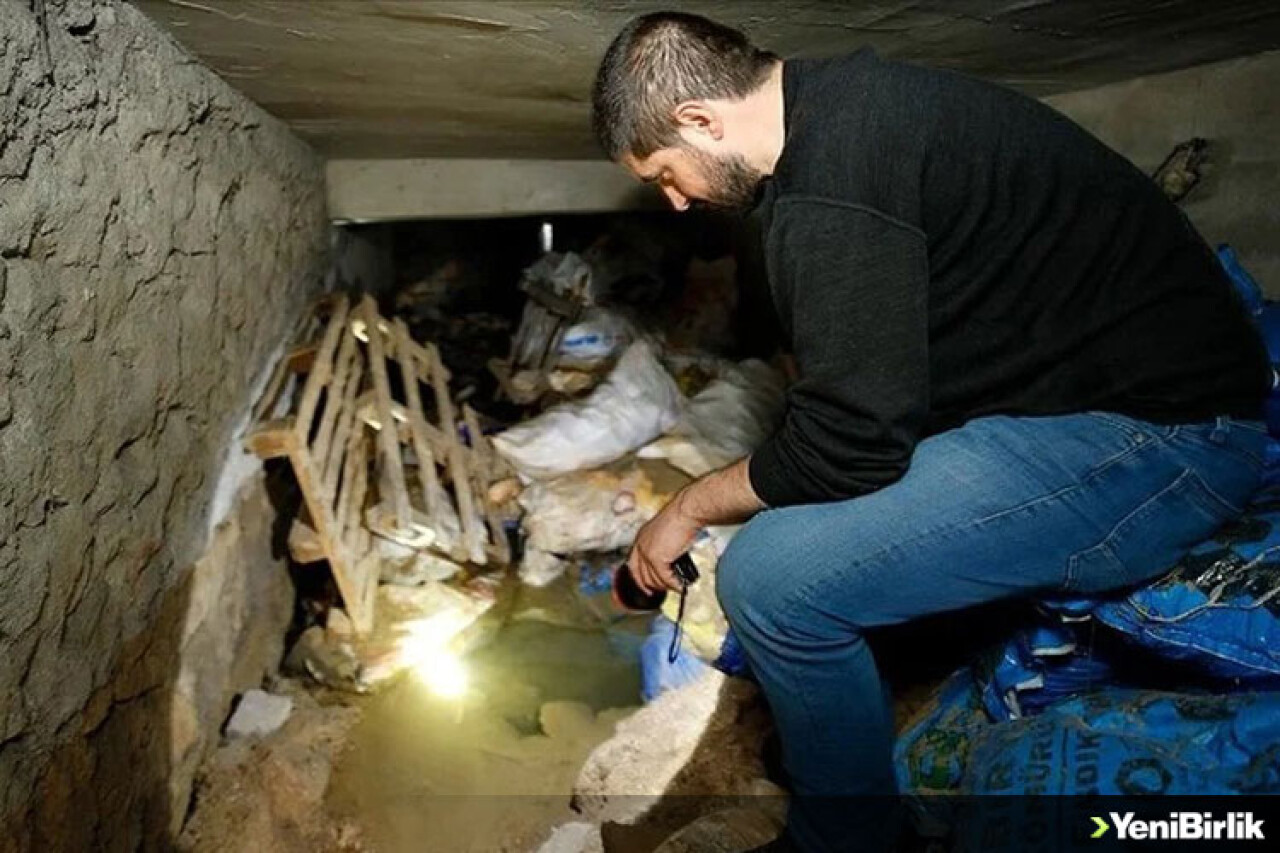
(1021, 371)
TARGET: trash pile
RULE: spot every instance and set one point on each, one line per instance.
(624, 419)
(421, 504)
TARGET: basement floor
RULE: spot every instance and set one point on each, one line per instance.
(494, 770)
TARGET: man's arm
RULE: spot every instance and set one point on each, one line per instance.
(852, 286)
(721, 497)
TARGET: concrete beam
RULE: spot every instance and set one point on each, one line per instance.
(380, 190)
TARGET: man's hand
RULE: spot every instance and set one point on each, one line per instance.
(667, 535)
(721, 497)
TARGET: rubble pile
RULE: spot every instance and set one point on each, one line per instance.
(603, 411)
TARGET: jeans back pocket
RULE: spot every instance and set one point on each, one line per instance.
(1150, 539)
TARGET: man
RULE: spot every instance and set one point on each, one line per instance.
(1021, 372)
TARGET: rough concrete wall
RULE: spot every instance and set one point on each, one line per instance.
(157, 235)
(239, 602)
(1236, 106)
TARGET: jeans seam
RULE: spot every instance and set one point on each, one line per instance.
(1225, 504)
(1107, 542)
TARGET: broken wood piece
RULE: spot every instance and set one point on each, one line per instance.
(390, 465)
(304, 544)
(347, 353)
(319, 376)
(420, 437)
(272, 439)
(331, 470)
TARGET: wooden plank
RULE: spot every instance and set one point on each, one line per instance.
(481, 457)
(301, 357)
(390, 465)
(272, 439)
(342, 497)
(324, 523)
(428, 477)
(414, 349)
(367, 411)
(332, 464)
(320, 373)
(363, 610)
(472, 536)
(347, 353)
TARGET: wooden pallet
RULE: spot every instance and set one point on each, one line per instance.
(328, 449)
(416, 517)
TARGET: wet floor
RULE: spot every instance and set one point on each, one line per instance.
(493, 770)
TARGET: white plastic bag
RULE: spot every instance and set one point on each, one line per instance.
(589, 510)
(725, 421)
(638, 402)
(594, 339)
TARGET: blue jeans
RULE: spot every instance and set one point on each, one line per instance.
(1002, 507)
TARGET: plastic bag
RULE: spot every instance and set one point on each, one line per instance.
(597, 337)
(1133, 742)
(704, 623)
(657, 673)
(725, 421)
(1219, 609)
(638, 402)
(589, 510)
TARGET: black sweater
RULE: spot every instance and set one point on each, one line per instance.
(940, 249)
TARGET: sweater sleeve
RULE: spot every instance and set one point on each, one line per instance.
(851, 286)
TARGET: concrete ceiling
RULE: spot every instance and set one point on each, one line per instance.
(422, 78)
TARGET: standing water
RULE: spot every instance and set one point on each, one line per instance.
(493, 769)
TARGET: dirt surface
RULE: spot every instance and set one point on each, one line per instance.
(268, 794)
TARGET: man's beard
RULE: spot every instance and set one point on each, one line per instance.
(731, 182)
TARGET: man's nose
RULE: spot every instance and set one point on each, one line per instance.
(678, 200)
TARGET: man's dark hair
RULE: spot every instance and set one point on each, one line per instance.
(659, 61)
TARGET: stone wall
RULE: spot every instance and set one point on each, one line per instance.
(158, 234)
(1233, 104)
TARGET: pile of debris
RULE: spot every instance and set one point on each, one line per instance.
(619, 420)
(394, 481)
(417, 503)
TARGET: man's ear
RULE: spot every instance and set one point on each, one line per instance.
(698, 117)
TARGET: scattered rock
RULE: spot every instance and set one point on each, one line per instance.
(338, 625)
(576, 837)
(727, 831)
(268, 793)
(259, 713)
(704, 739)
(330, 662)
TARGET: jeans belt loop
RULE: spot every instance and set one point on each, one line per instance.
(1220, 429)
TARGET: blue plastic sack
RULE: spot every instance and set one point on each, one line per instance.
(657, 673)
(931, 755)
(1266, 317)
(1133, 742)
(732, 659)
(1219, 609)
(1040, 665)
